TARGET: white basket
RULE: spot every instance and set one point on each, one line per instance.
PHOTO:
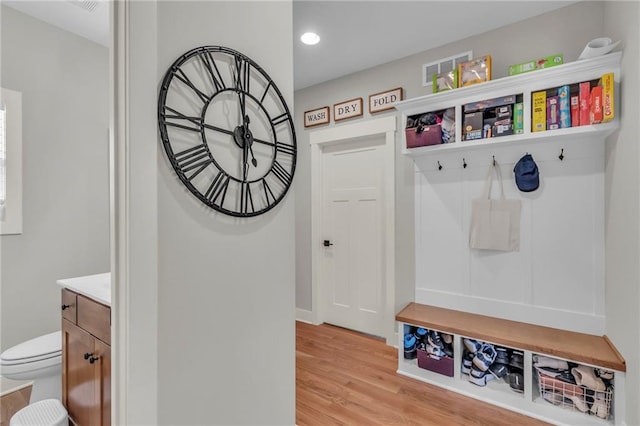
(574, 397)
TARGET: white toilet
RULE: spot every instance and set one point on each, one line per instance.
(40, 360)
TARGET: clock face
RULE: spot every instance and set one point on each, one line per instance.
(227, 131)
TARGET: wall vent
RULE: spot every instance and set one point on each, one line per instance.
(443, 65)
(87, 5)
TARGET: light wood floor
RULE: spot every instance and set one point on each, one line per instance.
(346, 378)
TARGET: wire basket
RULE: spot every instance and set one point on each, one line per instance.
(574, 397)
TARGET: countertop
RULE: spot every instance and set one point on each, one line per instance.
(96, 287)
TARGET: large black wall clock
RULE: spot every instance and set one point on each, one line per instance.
(227, 131)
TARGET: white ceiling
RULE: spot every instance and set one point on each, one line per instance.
(355, 35)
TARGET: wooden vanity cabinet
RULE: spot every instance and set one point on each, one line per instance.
(86, 360)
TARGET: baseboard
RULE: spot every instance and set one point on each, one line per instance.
(304, 316)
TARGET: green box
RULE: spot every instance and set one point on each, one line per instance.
(537, 64)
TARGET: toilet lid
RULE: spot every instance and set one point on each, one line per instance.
(46, 346)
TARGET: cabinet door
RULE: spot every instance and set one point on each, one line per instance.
(103, 379)
(78, 375)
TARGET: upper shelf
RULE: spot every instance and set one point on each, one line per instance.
(523, 84)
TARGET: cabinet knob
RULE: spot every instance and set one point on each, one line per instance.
(65, 307)
(93, 359)
(88, 355)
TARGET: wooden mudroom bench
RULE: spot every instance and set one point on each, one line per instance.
(533, 340)
(579, 347)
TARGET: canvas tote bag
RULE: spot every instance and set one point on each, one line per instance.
(495, 223)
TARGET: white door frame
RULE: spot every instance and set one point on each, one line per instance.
(133, 212)
(320, 139)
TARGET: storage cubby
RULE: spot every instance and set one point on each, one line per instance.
(493, 365)
(535, 347)
(575, 387)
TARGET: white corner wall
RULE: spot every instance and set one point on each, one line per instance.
(622, 215)
(226, 309)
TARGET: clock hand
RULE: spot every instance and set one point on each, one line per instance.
(249, 140)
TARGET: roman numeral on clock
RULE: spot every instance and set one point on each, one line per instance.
(196, 158)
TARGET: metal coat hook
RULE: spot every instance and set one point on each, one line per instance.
(439, 165)
(464, 163)
(561, 156)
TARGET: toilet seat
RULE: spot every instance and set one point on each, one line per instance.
(33, 355)
(37, 349)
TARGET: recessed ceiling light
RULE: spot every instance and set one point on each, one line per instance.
(310, 38)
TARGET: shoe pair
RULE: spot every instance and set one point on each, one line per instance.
(479, 377)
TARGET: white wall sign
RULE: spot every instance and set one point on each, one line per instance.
(347, 109)
(384, 100)
(316, 117)
(11, 162)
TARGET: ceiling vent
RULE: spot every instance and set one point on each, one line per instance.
(87, 5)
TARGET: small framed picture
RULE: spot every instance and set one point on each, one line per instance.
(445, 81)
(316, 117)
(474, 71)
(347, 109)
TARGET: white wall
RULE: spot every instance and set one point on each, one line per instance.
(63, 79)
(622, 189)
(226, 309)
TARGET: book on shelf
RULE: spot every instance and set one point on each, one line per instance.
(607, 84)
(585, 102)
(539, 111)
(564, 93)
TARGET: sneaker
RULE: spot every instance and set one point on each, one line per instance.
(447, 338)
(435, 352)
(502, 356)
(472, 346)
(478, 377)
(516, 382)
(499, 370)
(421, 334)
(410, 346)
(448, 350)
(517, 359)
(467, 363)
(604, 374)
(435, 339)
(485, 357)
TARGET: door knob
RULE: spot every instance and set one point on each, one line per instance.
(65, 307)
(93, 359)
(327, 243)
(88, 355)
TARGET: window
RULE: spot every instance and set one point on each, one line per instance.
(443, 65)
(10, 162)
(3, 160)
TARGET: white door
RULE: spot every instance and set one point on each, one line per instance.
(353, 235)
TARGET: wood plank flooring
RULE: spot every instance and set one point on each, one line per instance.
(347, 378)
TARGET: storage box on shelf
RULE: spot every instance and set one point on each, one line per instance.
(431, 349)
(528, 348)
(554, 81)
